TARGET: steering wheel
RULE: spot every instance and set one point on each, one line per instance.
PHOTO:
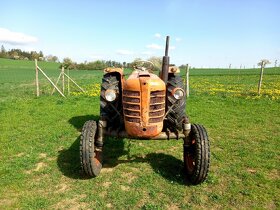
(144, 65)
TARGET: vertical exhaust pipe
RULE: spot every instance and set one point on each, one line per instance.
(165, 62)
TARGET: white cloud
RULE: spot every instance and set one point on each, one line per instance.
(157, 35)
(172, 47)
(177, 39)
(124, 52)
(16, 38)
(154, 46)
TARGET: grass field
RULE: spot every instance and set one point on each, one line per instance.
(39, 146)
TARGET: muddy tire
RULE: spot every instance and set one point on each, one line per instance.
(177, 113)
(108, 109)
(197, 155)
(90, 156)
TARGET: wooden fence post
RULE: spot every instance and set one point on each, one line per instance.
(37, 79)
(50, 81)
(187, 84)
(74, 83)
(261, 76)
(68, 83)
(62, 71)
(56, 83)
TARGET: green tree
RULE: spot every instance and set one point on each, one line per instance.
(34, 55)
(51, 58)
(157, 61)
(3, 53)
(68, 64)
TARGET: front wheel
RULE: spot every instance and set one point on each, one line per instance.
(197, 155)
(90, 155)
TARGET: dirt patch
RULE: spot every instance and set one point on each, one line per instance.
(70, 204)
(129, 177)
(51, 159)
(109, 205)
(173, 207)
(4, 203)
(106, 170)
(20, 154)
(42, 155)
(62, 188)
(271, 205)
(106, 184)
(135, 169)
(125, 188)
(140, 204)
(273, 174)
(251, 170)
(39, 166)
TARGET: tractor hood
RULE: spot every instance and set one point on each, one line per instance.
(143, 104)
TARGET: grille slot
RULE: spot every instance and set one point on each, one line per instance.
(157, 93)
(131, 119)
(131, 106)
(131, 100)
(131, 113)
(155, 120)
(157, 100)
(156, 113)
(157, 106)
(131, 93)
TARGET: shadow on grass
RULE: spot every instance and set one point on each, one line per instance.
(68, 160)
(168, 167)
(79, 121)
(165, 165)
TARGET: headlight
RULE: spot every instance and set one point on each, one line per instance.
(178, 93)
(110, 95)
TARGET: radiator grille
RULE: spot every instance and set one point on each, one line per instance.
(131, 106)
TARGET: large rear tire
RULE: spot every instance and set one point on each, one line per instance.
(197, 155)
(177, 113)
(90, 155)
(110, 111)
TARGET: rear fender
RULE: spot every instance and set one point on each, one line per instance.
(117, 72)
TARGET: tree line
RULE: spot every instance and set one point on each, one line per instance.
(18, 54)
(94, 65)
(68, 63)
(102, 64)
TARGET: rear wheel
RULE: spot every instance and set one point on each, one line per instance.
(90, 155)
(177, 113)
(197, 155)
(111, 111)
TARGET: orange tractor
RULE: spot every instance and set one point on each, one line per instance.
(145, 106)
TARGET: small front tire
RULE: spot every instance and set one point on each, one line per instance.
(197, 155)
(90, 155)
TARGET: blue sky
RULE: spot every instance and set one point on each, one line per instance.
(203, 33)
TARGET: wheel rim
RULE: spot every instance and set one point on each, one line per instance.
(97, 159)
(190, 158)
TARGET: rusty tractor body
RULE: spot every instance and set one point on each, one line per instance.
(145, 106)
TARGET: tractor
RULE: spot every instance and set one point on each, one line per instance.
(148, 107)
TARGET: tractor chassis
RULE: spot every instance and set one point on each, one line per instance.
(103, 131)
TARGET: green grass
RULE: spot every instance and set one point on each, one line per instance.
(39, 148)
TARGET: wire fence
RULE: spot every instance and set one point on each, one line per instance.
(235, 82)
